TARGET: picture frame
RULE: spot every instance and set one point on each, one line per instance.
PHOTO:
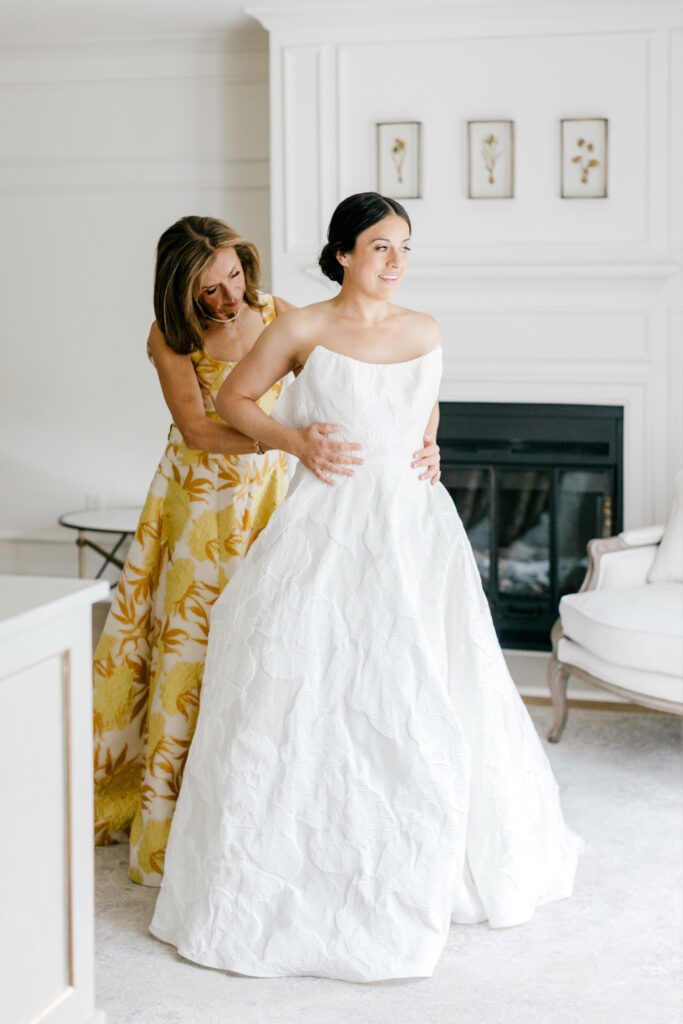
(583, 158)
(491, 159)
(399, 159)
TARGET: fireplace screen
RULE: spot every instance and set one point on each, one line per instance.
(523, 532)
(529, 525)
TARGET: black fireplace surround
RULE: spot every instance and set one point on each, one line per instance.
(533, 484)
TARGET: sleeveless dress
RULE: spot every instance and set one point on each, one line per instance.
(202, 513)
(363, 769)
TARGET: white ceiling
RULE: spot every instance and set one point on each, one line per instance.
(28, 22)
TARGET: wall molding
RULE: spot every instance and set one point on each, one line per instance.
(645, 275)
(674, 385)
(137, 61)
(674, 58)
(300, 211)
(344, 18)
(120, 72)
(116, 174)
(642, 261)
(149, 46)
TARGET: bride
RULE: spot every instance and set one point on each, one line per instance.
(363, 769)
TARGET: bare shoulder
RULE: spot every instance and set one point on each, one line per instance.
(156, 343)
(155, 333)
(422, 325)
(282, 305)
(160, 352)
(432, 330)
(284, 335)
(303, 319)
(156, 339)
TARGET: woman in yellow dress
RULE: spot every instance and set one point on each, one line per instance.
(213, 492)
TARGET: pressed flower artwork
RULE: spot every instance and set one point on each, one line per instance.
(398, 159)
(583, 158)
(490, 159)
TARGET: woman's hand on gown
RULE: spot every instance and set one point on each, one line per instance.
(324, 456)
(429, 459)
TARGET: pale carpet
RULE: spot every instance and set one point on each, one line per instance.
(610, 954)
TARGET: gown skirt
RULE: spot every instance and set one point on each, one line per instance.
(363, 771)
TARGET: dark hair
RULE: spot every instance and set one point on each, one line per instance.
(185, 252)
(352, 216)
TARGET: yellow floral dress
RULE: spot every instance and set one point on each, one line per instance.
(202, 513)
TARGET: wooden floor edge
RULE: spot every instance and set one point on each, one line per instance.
(594, 705)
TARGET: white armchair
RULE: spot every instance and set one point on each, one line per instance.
(620, 632)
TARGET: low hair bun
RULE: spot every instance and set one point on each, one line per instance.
(354, 215)
(329, 264)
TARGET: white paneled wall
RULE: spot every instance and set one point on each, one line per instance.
(540, 298)
(532, 80)
(675, 139)
(103, 146)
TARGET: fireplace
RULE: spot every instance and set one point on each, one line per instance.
(533, 484)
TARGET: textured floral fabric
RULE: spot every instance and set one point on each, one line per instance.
(363, 769)
(201, 515)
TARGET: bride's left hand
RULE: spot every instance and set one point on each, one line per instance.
(429, 459)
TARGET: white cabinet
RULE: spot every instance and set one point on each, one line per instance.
(46, 834)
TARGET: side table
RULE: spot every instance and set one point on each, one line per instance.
(122, 522)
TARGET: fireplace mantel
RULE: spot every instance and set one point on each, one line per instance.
(395, 18)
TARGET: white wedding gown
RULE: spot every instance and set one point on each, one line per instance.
(363, 769)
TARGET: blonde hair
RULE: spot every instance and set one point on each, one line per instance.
(184, 253)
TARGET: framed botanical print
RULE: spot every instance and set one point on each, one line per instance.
(583, 158)
(491, 159)
(398, 159)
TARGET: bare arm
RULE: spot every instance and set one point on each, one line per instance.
(433, 423)
(184, 400)
(429, 457)
(276, 352)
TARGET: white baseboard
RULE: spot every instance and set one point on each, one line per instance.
(528, 669)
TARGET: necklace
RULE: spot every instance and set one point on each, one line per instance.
(230, 319)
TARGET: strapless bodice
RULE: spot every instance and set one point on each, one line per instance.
(384, 407)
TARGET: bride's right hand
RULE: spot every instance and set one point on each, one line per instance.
(322, 455)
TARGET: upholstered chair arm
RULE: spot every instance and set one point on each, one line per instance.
(621, 561)
(642, 536)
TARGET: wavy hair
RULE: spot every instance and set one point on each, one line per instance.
(185, 251)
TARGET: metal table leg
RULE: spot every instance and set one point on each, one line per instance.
(84, 542)
(81, 553)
